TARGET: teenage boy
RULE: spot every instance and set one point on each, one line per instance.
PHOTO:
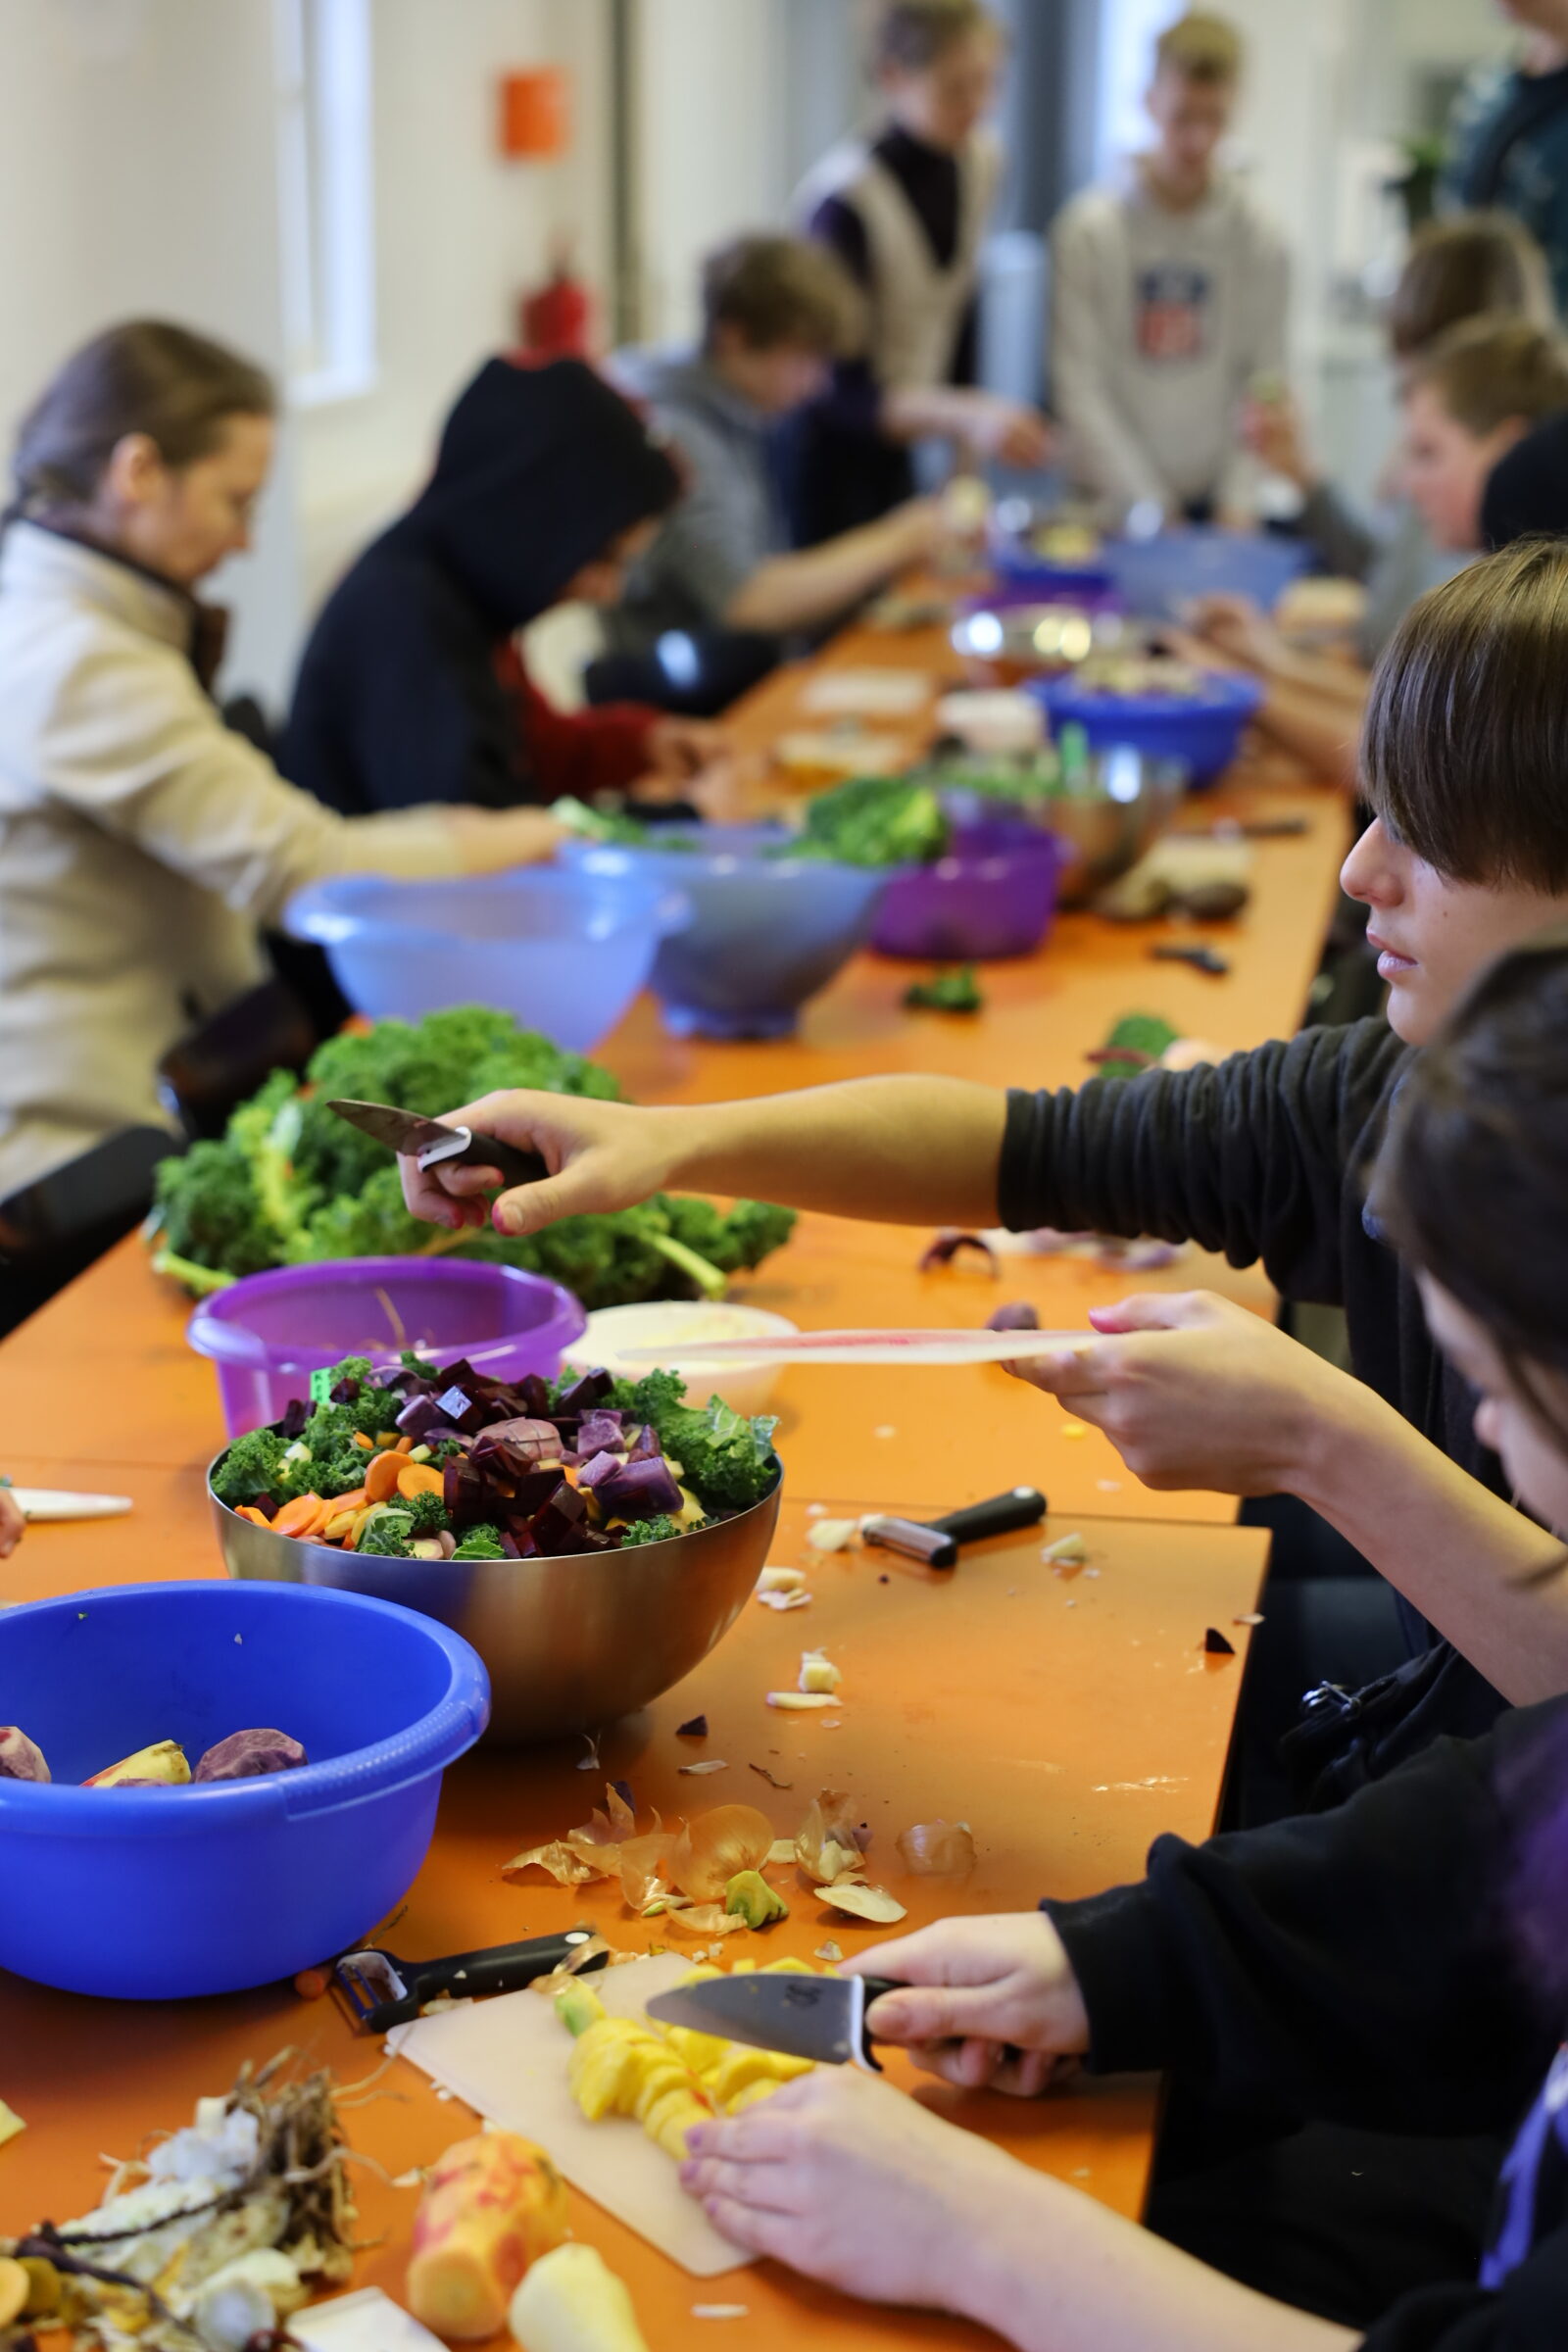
(776, 310)
(1467, 854)
(906, 212)
(1170, 293)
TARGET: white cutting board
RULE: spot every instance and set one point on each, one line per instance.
(507, 2059)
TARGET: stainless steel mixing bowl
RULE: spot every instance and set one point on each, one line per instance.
(1130, 802)
(569, 1643)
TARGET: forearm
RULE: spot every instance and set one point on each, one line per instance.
(797, 591)
(904, 1150)
(1459, 1553)
(924, 411)
(1323, 735)
(1055, 2271)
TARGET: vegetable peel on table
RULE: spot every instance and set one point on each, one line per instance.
(950, 1244)
(571, 2301)
(937, 1849)
(771, 1777)
(754, 1899)
(709, 1850)
(781, 1580)
(873, 1903)
(827, 1845)
(832, 1535)
(708, 1764)
(802, 1703)
(819, 1672)
(11, 2122)
(1067, 1551)
(291, 1184)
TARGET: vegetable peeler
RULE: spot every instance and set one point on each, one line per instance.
(1202, 958)
(431, 1142)
(937, 1541)
(381, 1991)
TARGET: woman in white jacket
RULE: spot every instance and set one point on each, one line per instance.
(142, 843)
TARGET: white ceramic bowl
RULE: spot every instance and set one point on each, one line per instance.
(997, 724)
(664, 1323)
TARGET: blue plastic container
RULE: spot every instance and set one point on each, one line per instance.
(563, 950)
(1203, 732)
(766, 932)
(268, 1333)
(1155, 578)
(1022, 571)
(169, 1894)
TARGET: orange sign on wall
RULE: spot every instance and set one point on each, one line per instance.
(535, 112)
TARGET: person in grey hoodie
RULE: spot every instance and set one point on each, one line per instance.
(1171, 293)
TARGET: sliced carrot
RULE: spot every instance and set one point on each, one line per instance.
(381, 1478)
(404, 1445)
(354, 1502)
(569, 1471)
(248, 1510)
(420, 1479)
(360, 1438)
(296, 1516)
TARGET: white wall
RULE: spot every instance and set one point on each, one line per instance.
(714, 145)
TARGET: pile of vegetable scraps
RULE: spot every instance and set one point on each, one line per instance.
(209, 2244)
(451, 1465)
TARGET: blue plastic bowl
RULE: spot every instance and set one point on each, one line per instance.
(766, 933)
(1204, 733)
(268, 1333)
(563, 950)
(151, 1894)
(1155, 578)
(1021, 571)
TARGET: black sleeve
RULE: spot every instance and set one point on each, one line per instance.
(431, 720)
(965, 367)
(1250, 1157)
(1528, 2312)
(1351, 1967)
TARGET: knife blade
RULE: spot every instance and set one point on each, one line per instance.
(868, 1347)
(39, 1503)
(819, 2018)
(431, 1141)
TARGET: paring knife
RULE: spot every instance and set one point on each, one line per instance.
(933, 1347)
(431, 1142)
(937, 1541)
(819, 2018)
(381, 1991)
(52, 1503)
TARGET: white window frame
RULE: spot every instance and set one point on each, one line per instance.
(326, 180)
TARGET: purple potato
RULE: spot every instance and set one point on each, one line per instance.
(19, 1758)
(244, 1754)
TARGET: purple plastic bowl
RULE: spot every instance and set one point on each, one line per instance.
(993, 894)
(269, 1332)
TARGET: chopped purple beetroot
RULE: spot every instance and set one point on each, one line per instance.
(1019, 1316)
(511, 1547)
(641, 1489)
(531, 1492)
(598, 1467)
(643, 1443)
(696, 1729)
(465, 1493)
(454, 1402)
(418, 1417)
(294, 1415)
(585, 1393)
(556, 1524)
(1215, 1646)
(600, 1433)
(622, 1789)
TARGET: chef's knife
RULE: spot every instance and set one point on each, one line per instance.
(819, 2018)
(432, 1144)
(39, 1503)
(937, 1541)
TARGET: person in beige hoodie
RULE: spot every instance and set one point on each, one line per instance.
(142, 841)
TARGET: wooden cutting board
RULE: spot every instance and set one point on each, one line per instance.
(507, 2059)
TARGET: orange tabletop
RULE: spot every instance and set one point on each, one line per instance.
(1069, 1716)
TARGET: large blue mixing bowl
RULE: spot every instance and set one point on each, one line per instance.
(166, 1893)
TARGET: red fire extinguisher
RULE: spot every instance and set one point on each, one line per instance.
(556, 321)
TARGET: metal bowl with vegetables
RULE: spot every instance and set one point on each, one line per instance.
(592, 1538)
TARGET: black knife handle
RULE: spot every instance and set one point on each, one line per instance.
(1001, 1515)
(876, 1987)
(489, 1151)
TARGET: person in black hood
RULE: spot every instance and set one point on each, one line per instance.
(547, 482)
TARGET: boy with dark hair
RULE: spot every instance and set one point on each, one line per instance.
(1261, 1158)
(1170, 293)
(776, 310)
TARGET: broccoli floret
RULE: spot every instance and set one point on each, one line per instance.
(874, 820)
(265, 1130)
(428, 1515)
(650, 1398)
(387, 1536)
(649, 1530)
(251, 1467)
(371, 1221)
(481, 1543)
(751, 1231)
(946, 992)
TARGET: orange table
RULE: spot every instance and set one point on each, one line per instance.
(1068, 1718)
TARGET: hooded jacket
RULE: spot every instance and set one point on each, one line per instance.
(406, 693)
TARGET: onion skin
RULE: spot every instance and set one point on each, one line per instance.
(712, 1849)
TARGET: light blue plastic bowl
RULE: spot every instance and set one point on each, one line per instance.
(149, 1894)
(765, 934)
(563, 950)
(1155, 578)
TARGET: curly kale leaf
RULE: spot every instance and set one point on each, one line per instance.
(251, 1467)
(649, 1530)
(481, 1543)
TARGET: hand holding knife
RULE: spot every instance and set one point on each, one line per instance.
(431, 1142)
